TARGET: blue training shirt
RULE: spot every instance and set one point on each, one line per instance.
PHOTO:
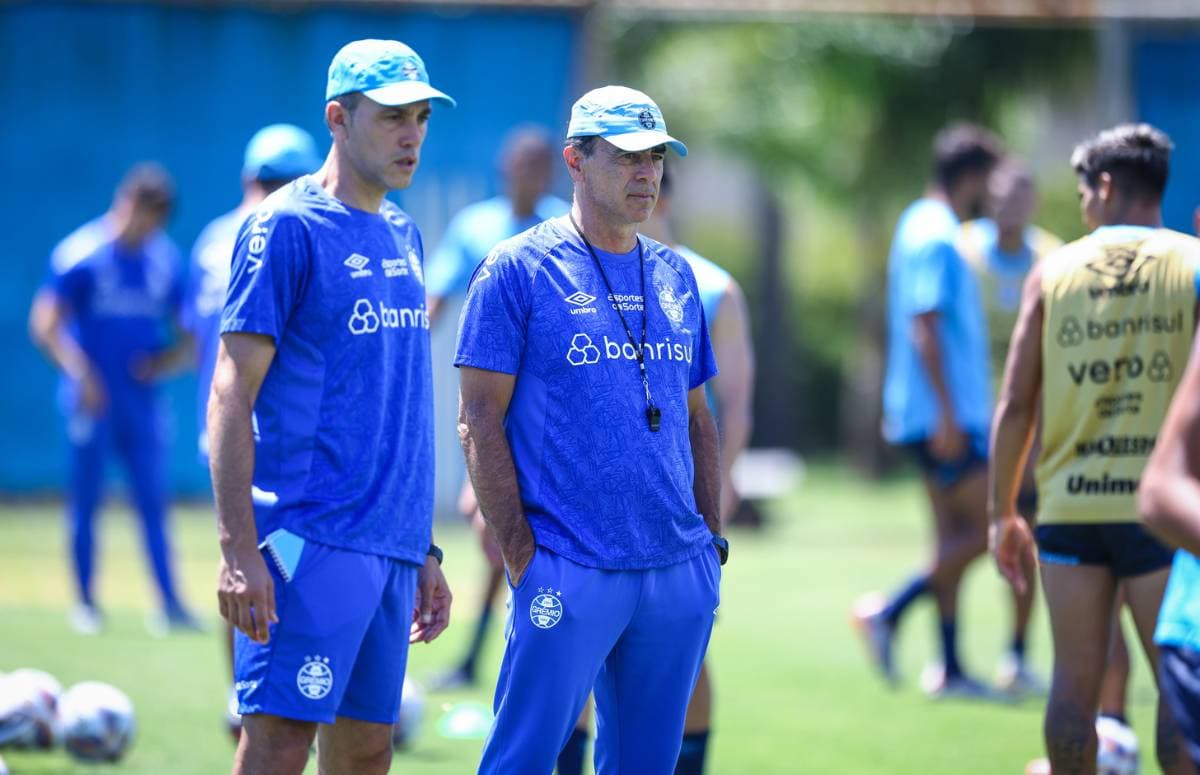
(1179, 616)
(927, 274)
(713, 282)
(208, 282)
(343, 423)
(474, 231)
(123, 303)
(597, 486)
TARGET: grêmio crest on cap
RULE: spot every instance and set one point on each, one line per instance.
(646, 119)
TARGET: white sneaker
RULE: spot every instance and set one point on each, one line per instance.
(86, 619)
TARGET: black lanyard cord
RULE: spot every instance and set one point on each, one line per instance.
(653, 414)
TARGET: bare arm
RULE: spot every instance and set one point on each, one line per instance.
(702, 432)
(1169, 494)
(1013, 429)
(47, 329)
(245, 588)
(483, 402)
(948, 442)
(733, 387)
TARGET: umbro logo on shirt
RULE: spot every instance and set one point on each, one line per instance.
(579, 299)
(582, 302)
(358, 265)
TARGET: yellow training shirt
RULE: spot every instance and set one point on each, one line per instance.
(1001, 278)
(1119, 312)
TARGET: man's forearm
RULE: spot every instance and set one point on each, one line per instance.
(702, 432)
(1012, 438)
(231, 454)
(494, 478)
(930, 350)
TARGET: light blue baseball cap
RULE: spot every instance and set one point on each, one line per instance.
(280, 152)
(625, 117)
(386, 71)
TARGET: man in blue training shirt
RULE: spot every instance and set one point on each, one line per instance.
(584, 353)
(322, 436)
(730, 395)
(276, 155)
(937, 393)
(525, 162)
(105, 317)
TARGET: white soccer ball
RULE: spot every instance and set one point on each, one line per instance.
(1117, 753)
(97, 721)
(28, 706)
(412, 709)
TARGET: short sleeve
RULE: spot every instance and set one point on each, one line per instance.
(271, 260)
(704, 361)
(448, 264)
(492, 329)
(929, 278)
(72, 287)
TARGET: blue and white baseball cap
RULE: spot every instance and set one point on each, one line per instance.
(386, 71)
(625, 117)
(280, 152)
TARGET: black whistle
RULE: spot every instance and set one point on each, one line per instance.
(654, 418)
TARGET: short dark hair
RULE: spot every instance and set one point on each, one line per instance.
(149, 185)
(585, 145)
(961, 149)
(349, 101)
(1136, 155)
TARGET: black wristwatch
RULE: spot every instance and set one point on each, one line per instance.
(436, 553)
(722, 545)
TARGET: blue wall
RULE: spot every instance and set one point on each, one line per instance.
(1167, 82)
(89, 89)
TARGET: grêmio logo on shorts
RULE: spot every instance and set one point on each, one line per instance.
(1105, 485)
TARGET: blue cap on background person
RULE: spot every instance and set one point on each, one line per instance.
(625, 117)
(280, 152)
(385, 71)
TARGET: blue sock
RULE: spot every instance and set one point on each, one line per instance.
(692, 754)
(949, 628)
(570, 760)
(916, 586)
(1018, 647)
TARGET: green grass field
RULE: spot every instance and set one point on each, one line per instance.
(793, 689)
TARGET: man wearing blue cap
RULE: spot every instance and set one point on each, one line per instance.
(321, 437)
(276, 155)
(108, 318)
(584, 352)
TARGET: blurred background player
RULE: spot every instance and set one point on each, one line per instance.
(937, 398)
(108, 318)
(526, 164)
(1001, 248)
(275, 156)
(1104, 328)
(730, 395)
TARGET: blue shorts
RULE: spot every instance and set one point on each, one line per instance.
(1179, 684)
(341, 643)
(636, 637)
(947, 473)
(1124, 547)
